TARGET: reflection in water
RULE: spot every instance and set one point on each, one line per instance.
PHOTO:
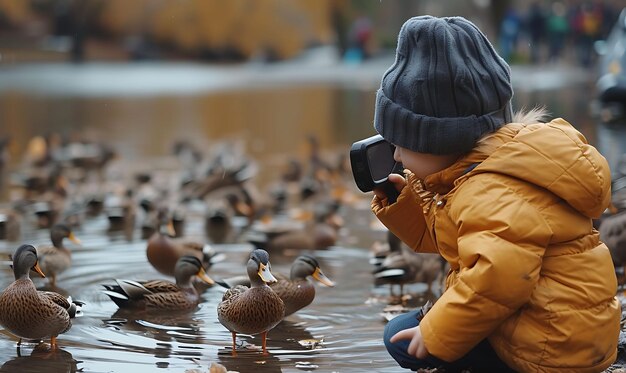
(41, 359)
(248, 361)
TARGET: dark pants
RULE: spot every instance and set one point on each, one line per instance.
(481, 358)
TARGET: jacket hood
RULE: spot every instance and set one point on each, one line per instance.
(553, 155)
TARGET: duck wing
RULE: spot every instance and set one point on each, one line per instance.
(73, 307)
(171, 301)
(233, 293)
(56, 298)
(160, 286)
(126, 292)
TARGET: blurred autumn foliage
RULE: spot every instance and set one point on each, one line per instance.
(239, 29)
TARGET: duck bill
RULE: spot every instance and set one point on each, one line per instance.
(204, 277)
(170, 229)
(243, 208)
(266, 275)
(37, 269)
(321, 277)
(74, 239)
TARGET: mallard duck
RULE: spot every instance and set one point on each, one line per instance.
(56, 258)
(297, 291)
(161, 294)
(402, 266)
(29, 313)
(255, 309)
(163, 251)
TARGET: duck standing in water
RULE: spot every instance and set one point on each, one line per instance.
(56, 258)
(29, 313)
(255, 309)
(161, 294)
(296, 290)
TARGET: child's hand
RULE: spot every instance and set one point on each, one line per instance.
(398, 182)
(417, 347)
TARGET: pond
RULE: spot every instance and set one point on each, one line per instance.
(270, 125)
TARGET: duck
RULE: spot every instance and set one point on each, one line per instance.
(302, 230)
(29, 313)
(296, 290)
(161, 294)
(402, 266)
(163, 251)
(56, 258)
(256, 309)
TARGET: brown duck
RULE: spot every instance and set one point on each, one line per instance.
(161, 294)
(163, 251)
(255, 309)
(296, 290)
(316, 229)
(29, 313)
(56, 258)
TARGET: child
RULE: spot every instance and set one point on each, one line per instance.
(507, 202)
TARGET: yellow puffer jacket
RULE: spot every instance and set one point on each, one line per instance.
(528, 271)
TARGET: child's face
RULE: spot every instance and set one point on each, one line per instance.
(423, 164)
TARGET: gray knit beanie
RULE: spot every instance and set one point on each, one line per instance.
(446, 89)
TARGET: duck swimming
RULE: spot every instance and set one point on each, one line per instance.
(163, 251)
(161, 294)
(297, 291)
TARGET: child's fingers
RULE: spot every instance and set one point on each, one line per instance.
(398, 181)
(380, 194)
(413, 347)
(401, 335)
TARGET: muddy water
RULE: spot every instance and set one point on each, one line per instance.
(344, 323)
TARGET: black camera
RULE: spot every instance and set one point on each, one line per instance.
(372, 162)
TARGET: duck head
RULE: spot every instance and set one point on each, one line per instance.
(306, 265)
(259, 268)
(25, 259)
(187, 267)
